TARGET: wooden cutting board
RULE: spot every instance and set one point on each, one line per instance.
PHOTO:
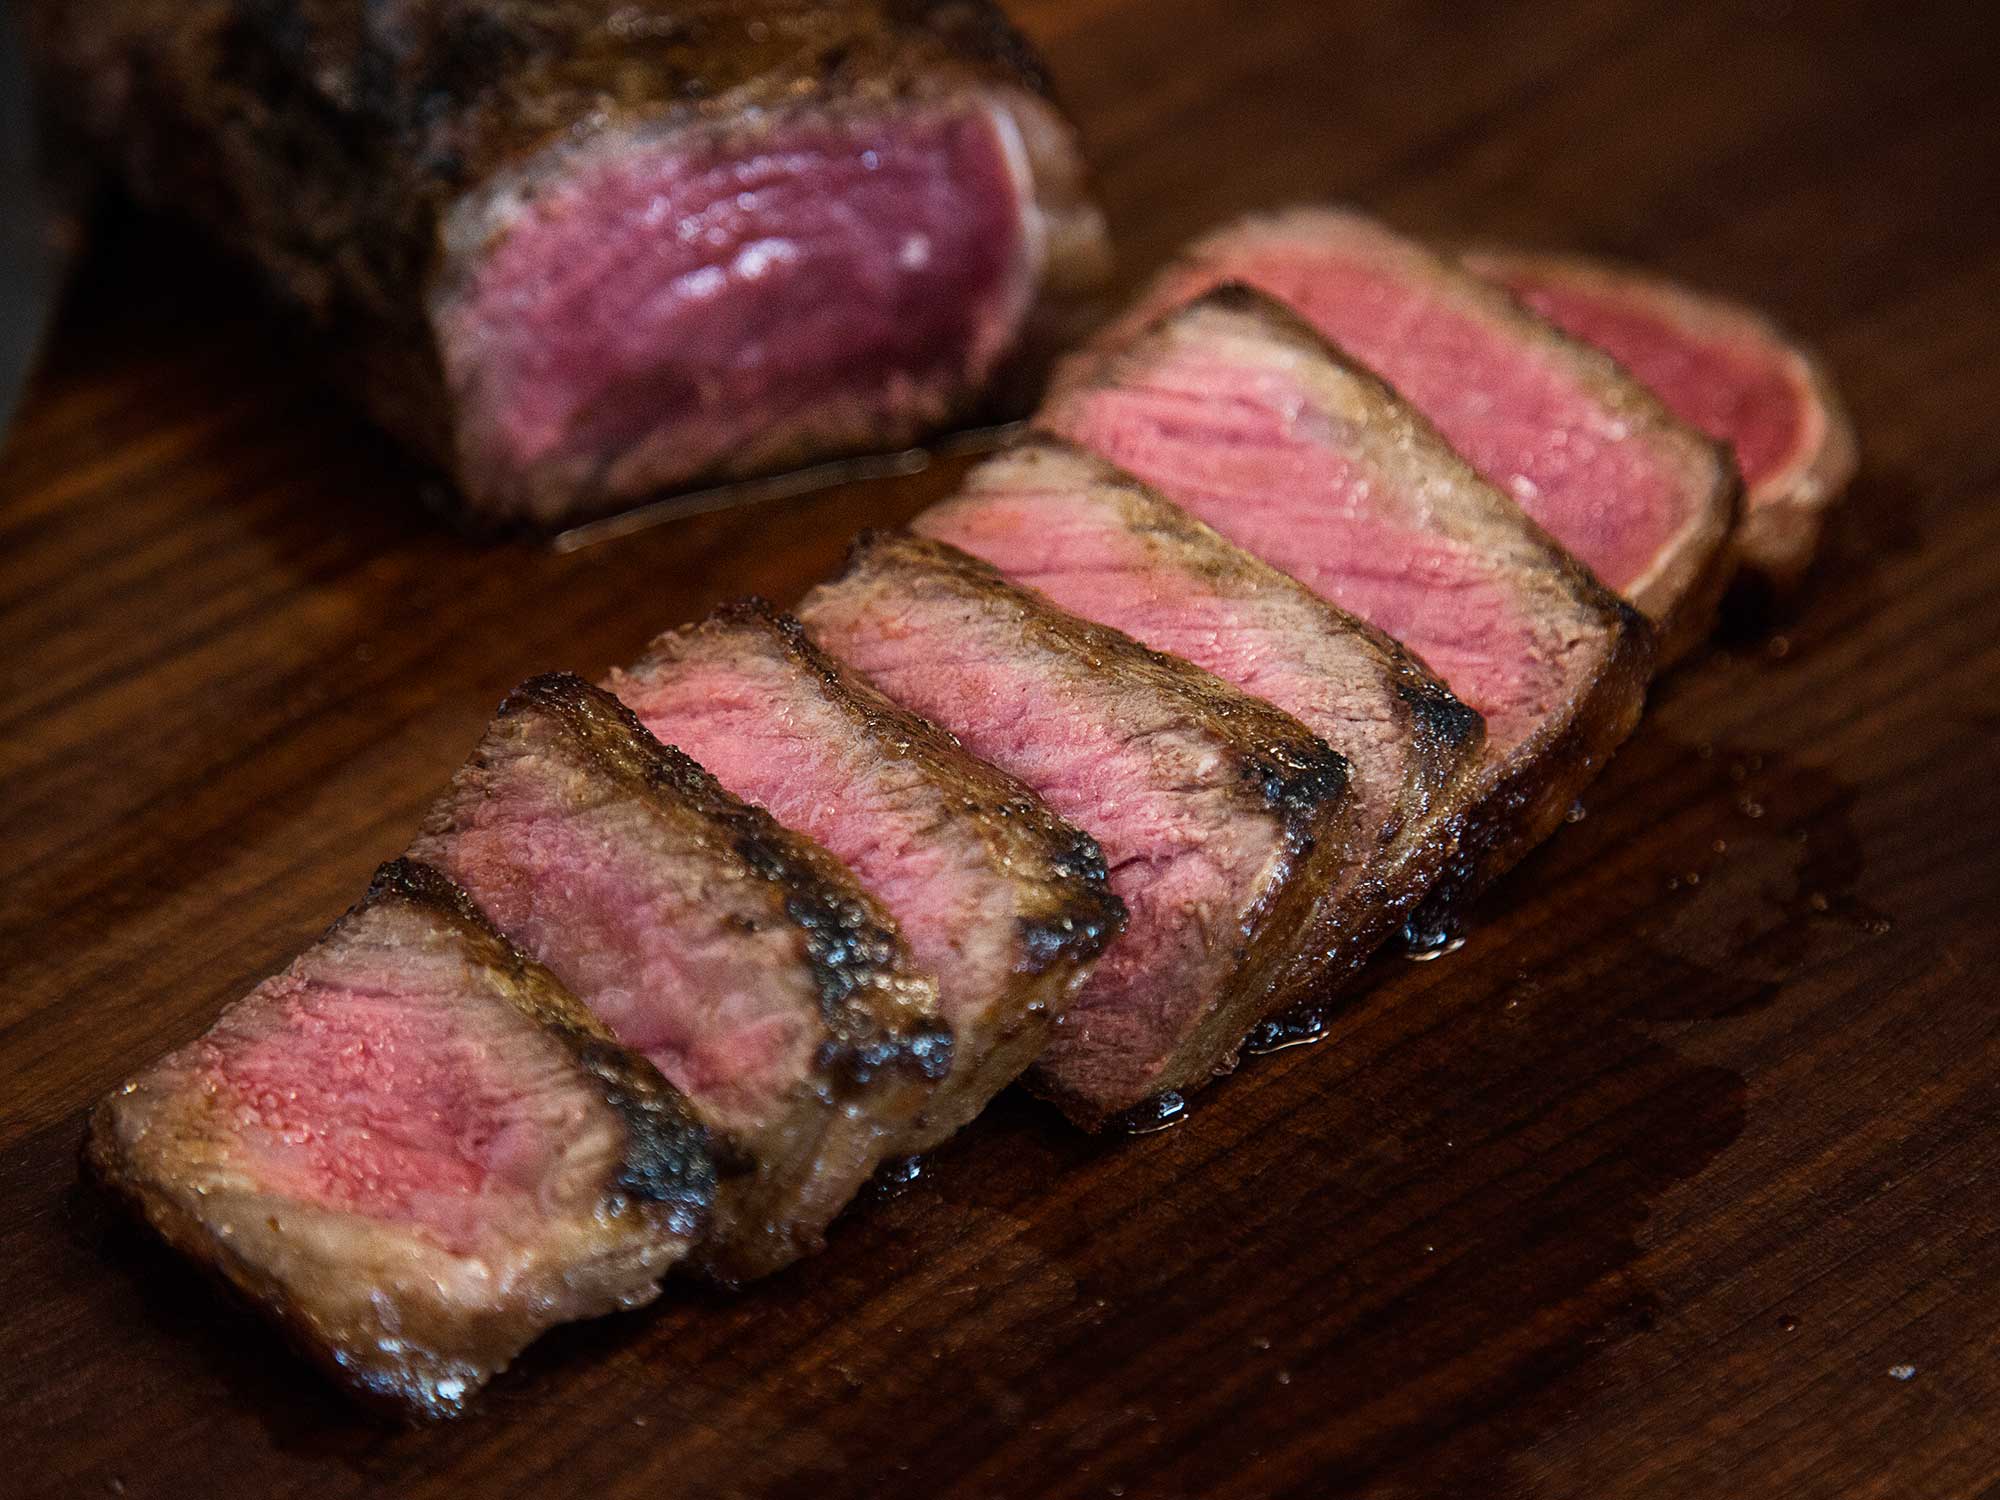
(1681, 1178)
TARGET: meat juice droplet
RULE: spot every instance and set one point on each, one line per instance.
(1161, 1112)
(1422, 944)
(1299, 1028)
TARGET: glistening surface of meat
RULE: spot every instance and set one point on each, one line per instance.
(586, 250)
(1220, 817)
(1238, 412)
(414, 1150)
(742, 959)
(1004, 901)
(1720, 367)
(1101, 545)
(1644, 501)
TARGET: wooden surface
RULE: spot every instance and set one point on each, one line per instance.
(1653, 1189)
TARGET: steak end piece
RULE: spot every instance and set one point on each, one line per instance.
(1008, 904)
(1220, 818)
(581, 253)
(1100, 544)
(1721, 367)
(413, 1150)
(1644, 501)
(740, 958)
(1239, 412)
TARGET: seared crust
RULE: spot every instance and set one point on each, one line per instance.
(345, 150)
(884, 1048)
(1784, 513)
(427, 1363)
(1281, 770)
(1064, 909)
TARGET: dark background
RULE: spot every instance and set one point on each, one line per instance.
(1644, 1192)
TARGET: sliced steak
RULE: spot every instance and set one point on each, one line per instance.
(1102, 545)
(1642, 500)
(584, 250)
(742, 959)
(413, 1150)
(1719, 367)
(1221, 817)
(1237, 411)
(1004, 901)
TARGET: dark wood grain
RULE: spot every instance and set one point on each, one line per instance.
(1643, 1192)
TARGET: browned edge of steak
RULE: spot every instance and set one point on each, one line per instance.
(666, 1173)
(1064, 911)
(1444, 737)
(885, 1050)
(1282, 769)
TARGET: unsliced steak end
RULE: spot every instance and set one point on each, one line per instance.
(1644, 501)
(1720, 367)
(662, 307)
(414, 1150)
(1220, 817)
(1003, 900)
(741, 958)
(1100, 544)
(1239, 412)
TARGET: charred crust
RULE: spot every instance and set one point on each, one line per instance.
(1441, 721)
(1298, 781)
(852, 948)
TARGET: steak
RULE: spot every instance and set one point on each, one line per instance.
(1644, 501)
(1239, 412)
(1719, 367)
(585, 250)
(1004, 901)
(413, 1150)
(1221, 818)
(742, 959)
(1100, 544)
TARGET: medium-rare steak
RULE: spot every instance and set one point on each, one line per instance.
(584, 250)
(1644, 501)
(1102, 545)
(414, 1150)
(1720, 367)
(1221, 818)
(1236, 410)
(1004, 901)
(742, 959)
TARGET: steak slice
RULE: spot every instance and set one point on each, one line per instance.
(1644, 501)
(742, 959)
(585, 250)
(413, 1150)
(1221, 818)
(1004, 901)
(1720, 367)
(1237, 411)
(1100, 544)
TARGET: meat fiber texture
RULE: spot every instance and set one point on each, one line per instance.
(1006, 903)
(741, 959)
(1100, 544)
(1220, 817)
(585, 251)
(1720, 367)
(414, 1150)
(1643, 500)
(1236, 410)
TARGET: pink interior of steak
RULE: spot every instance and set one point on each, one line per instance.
(697, 295)
(1158, 799)
(1522, 417)
(370, 1082)
(756, 721)
(1074, 544)
(1744, 390)
(695, 976)
(1240, 442)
